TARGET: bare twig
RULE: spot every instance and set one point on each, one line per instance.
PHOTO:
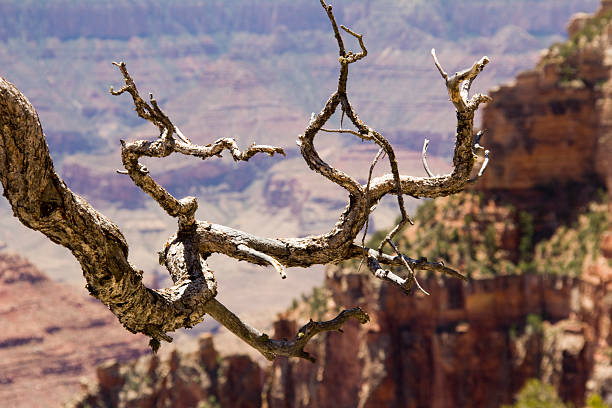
(362, 127)
(270, 348)
(148, 112)
(404, 284)
(422, 263)
(311, 156)
(352, 57)
(404, 220)
(204, 152)
(463, 158)
(477, 138)
(367, 193)
(350, 131)
(424, 158)
(476, 100)
(459, 84)
(437, 63)
(164, 146)
(332, 19)
(181, 136)
(384, 144)
(485, 162)
(410, 271)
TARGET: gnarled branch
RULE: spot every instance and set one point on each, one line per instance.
(42, 201)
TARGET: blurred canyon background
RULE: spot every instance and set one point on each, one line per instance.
(533, 234)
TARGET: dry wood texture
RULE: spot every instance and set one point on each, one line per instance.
(42, 201)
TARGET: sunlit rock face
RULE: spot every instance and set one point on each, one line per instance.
(549, 131)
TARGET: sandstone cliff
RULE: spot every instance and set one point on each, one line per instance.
(466, 345)
(200, 379)
(549, 130)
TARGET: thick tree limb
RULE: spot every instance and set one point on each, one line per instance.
(42, 201)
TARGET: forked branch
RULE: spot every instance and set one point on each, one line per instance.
(42, 201)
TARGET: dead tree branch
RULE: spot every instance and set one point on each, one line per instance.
(42, 201)
(271, 348)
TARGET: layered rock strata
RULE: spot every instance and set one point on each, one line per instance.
(550, 132)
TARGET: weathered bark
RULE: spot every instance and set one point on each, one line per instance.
(42, 201)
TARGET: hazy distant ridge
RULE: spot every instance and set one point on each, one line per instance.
(123, 19)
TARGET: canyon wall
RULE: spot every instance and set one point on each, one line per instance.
(549, 131)
(123, 19)
(465, 345)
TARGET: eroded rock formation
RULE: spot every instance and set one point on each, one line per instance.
(466, 345)
(181, 380)
(549, 131)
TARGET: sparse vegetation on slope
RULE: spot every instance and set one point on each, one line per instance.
(572, 248)
(536, 394)
(484, 238)
(478, 237)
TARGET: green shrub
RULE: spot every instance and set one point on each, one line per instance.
(533, 323)
(595, 401)
(536, 394)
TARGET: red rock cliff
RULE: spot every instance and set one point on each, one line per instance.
(466, 345)
(550, 131)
